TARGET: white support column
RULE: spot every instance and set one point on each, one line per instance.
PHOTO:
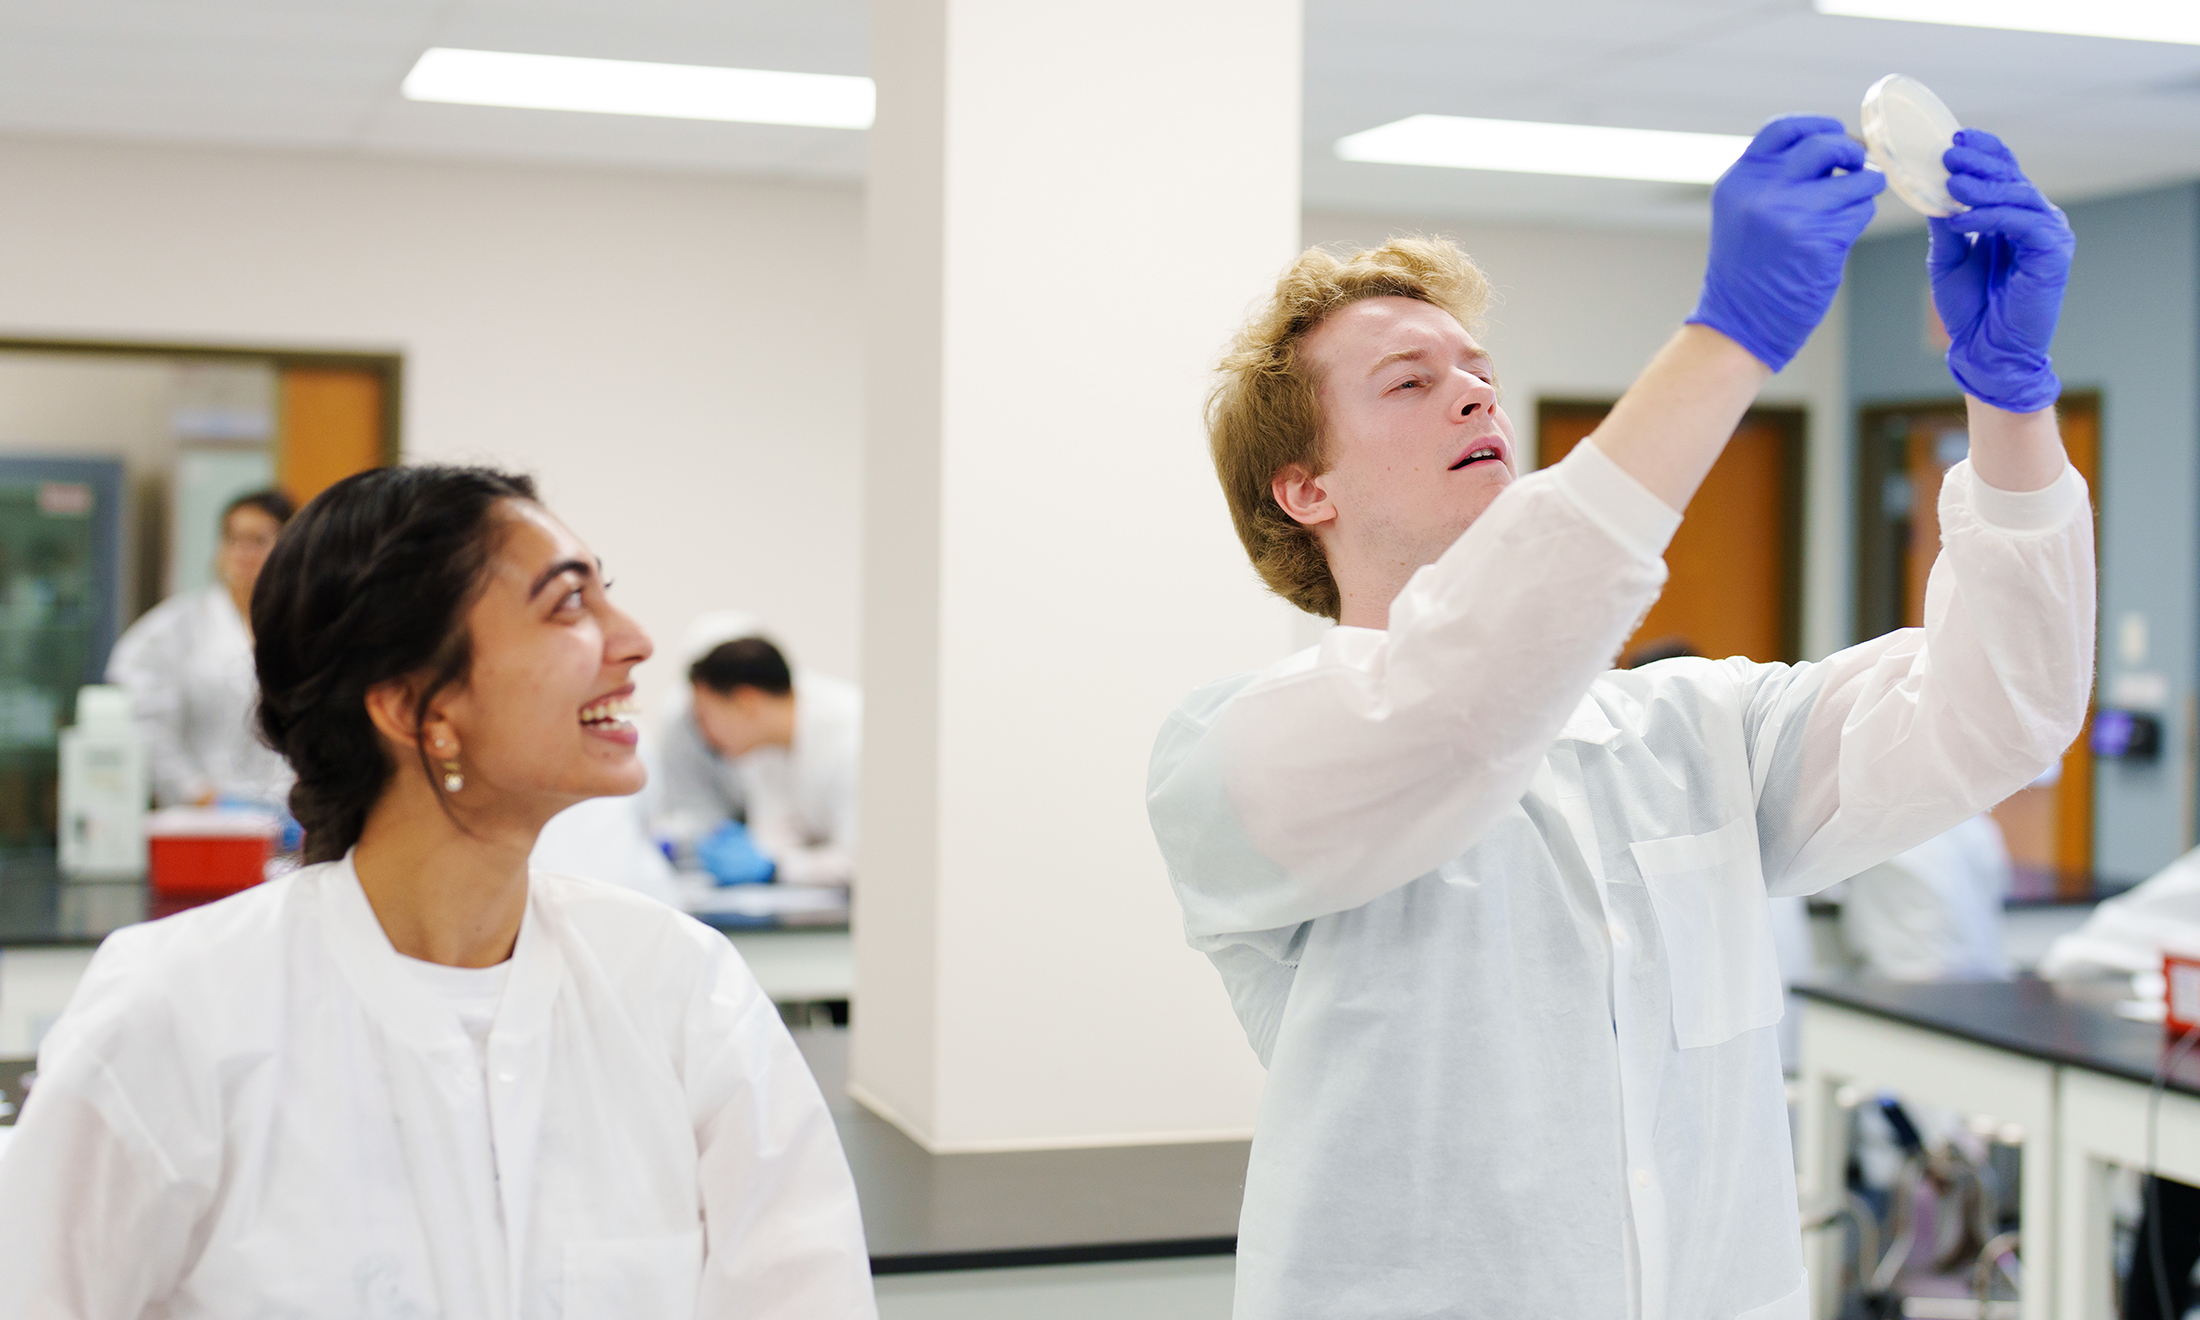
(1070, 208)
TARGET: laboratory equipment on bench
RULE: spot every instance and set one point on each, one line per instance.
(2181, 993)
(1907, 130)
(199, 853)
(60, 597)
(2126, 735)
(103, 789)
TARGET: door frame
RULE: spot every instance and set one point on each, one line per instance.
(390, 367)
(1878, 595)
(1878, 598)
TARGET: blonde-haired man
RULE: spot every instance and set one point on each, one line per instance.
(1495, 915)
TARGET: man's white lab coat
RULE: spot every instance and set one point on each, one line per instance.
(1496, 916)
(802, 799)
(256, 1109)
(189, 670)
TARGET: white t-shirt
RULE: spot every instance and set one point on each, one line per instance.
(472, 992)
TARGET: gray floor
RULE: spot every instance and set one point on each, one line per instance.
(1197, 1288)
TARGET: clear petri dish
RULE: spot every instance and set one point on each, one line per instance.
(1906, 131)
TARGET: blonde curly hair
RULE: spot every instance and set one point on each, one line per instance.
(1265, 412)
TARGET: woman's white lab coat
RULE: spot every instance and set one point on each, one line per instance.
(256, 1109)
(189, 670)
(1496, 916)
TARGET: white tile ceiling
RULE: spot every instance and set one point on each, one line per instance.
(2089, 116)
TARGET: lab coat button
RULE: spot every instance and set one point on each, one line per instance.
(1618, 936)
(1642, 1178)
(506, 1078)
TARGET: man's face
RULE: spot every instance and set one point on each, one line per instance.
(1417, 443)
(734, 723)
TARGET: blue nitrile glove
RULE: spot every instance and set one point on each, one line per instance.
(1998, 274)
(1782, 223)
(731, 856)
(292, 836)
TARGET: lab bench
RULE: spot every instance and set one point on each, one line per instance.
(49, 928)
(2064, 1077)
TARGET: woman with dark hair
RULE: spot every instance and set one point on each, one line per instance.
(413, 1079)
(188, 668)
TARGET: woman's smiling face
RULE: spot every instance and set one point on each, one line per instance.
(543, 718)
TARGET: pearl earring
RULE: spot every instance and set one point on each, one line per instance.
(453, 781)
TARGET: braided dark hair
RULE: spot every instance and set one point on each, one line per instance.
(369, 583)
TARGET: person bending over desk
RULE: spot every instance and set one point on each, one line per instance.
(1493, 914)
(761, 769)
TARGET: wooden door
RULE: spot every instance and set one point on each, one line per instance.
(1905, 452)
(334, 423)
(1733, 582)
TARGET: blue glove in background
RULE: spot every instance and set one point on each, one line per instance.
(1782, 223)
(293, 836)
(1998, 274)
(732, 858)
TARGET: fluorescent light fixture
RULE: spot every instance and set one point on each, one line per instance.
(2131, 20)
(1529, 148)
(630, 87)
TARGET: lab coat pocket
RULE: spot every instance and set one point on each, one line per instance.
(1708, 892)
(615, 1280)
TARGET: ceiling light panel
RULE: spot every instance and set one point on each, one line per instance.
(2132, 20)
(632, 87)
(1522, 147)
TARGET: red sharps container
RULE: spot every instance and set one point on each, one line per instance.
(2181, 991)
(199, 853)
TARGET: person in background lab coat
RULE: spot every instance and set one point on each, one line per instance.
(1493, 914)
(412, 1078)
(694, 789)
(1933, 912)
(761, 768)
(188, 668)
(607, 839)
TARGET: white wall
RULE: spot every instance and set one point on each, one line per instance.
(1579, 312)
(677, 358)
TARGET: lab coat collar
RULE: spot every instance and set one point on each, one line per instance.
(406, 1007)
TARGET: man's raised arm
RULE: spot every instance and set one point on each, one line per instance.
(1887, 744)
(1324, 785)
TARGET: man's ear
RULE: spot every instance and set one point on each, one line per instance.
(1302, 495)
